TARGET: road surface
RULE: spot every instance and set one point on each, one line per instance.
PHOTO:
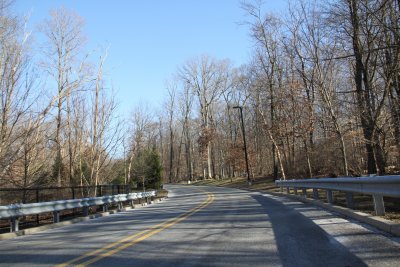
(209, 226)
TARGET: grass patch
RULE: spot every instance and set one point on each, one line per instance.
(162, 193)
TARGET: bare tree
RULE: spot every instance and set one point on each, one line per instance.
(186, 105)
(65, 40)
(311, 45)
(16, 87)
(209, 79)
(170, 108)
(370, 97)
(265, 31)
(141, 123)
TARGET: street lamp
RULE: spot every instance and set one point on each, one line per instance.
(245, 146)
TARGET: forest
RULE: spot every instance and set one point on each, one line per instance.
(320, 97)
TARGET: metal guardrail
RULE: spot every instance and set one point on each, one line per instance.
(15, 211)
(42, 194)
(377, 186)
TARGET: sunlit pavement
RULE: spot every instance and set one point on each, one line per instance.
(209, 226)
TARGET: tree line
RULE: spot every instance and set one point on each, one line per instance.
(320, 96)
(58, 121)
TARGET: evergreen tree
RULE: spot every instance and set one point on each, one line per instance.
(147, 169)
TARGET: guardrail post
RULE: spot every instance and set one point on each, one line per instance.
(56, 216)
(14, 227)
(288, 190)
(295, 190)
(105, 207)
(315, 193)
(304, 192)
(379, 206)
(349, 200)
(37, 200)
(281, 188)
(329, 196)
(85, 211)
(120, 206)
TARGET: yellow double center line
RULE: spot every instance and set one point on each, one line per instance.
(110, 249)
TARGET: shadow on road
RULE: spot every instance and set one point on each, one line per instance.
(301, 242)
(237, 229)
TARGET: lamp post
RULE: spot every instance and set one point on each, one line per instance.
(245, 146)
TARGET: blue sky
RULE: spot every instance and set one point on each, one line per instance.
(149, 39)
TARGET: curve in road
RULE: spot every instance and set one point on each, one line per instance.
(209, 226)
(129, 241)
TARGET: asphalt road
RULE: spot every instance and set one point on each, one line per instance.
(208, 226)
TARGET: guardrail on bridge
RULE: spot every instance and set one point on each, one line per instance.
(42, 194)
(377, 186)
(15, 211)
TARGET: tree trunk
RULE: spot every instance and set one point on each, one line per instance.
(362, 93)
(171, 153)
(308, 159)
(209, 161)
